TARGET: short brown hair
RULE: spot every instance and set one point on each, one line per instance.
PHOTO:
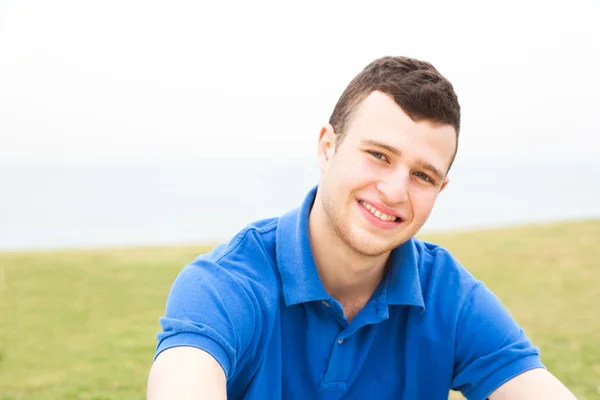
(416, 86)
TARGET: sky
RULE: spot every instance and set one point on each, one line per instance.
(139, 79)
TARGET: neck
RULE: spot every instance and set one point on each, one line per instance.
(346, 275)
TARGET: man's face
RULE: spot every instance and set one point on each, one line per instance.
(379, 185)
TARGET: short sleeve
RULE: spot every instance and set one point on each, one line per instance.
(207, 308)
(490, 346)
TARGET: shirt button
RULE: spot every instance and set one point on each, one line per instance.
(326, 304)
(340, 341)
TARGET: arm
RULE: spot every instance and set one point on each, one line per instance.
(186, 373)
(208, 325)
(533, 384)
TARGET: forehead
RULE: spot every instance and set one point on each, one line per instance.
(379, 118)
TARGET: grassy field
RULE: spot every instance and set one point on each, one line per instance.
(82, 324)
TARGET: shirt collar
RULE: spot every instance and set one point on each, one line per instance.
(301, 281)
(403, 283)
(299, 276)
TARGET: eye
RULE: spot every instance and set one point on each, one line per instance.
(379, 156)
(424, 176)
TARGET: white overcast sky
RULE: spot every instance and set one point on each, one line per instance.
(178, 79)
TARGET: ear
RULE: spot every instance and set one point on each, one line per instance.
(445, 183)
(326, 146)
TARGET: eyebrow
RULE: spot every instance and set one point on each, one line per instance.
(387, 147)
(425, 165)
(432, 169)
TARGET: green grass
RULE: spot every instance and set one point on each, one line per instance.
(82, 324)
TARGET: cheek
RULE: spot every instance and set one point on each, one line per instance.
(367, 170)
(422, 200)
(353, 172)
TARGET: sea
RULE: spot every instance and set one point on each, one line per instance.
(121, 203)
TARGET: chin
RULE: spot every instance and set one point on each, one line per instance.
(368, 244)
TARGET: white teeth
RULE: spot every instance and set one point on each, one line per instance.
(377, 213)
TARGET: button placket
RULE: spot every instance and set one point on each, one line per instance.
(335, 311)
(338, 367)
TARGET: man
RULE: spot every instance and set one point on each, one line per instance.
(337, 299)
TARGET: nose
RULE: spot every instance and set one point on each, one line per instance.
(395, 186)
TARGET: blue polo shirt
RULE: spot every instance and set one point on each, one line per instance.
(257, 305)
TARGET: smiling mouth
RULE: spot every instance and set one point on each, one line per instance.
(381, 215)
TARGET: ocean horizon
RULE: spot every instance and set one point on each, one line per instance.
(123, 203)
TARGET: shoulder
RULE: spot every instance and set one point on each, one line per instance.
(256, 237)
(488, 344)
(451, 293)
(246, 262)
(444, 280)
(225, 299)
